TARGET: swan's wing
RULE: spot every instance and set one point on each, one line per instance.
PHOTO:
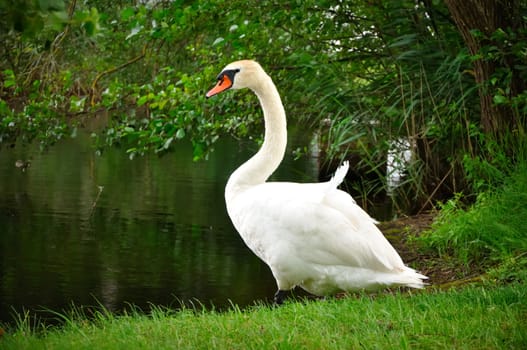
(361, 222)
(312, 222)
(342, 236)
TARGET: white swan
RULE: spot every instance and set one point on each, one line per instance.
(311, 235)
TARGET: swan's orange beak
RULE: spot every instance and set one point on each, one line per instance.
(224, 83)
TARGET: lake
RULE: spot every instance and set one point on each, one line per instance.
(86, 230)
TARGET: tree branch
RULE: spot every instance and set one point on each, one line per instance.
(113, 70)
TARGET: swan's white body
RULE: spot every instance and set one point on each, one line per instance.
(311, 235)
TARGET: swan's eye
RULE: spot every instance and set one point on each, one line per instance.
(227, 75)
(225, 81)
(222, 80)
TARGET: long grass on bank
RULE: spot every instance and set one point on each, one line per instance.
(471, 318)
(490, 232)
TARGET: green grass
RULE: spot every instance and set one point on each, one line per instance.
(490, 232)
(470, 318)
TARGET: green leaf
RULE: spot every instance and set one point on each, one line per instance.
(180, 134)
(134, 31)
(51, 5)
(500, 99)
(218, 41)
(142, 100)
(127, 13)
(161, 104)
(89, 27)
(167, 143)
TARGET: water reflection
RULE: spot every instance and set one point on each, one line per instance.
(78, 228)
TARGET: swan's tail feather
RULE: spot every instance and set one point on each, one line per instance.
(339, 175)
(413, 279)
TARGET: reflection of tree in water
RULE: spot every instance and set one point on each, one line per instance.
(158, 232)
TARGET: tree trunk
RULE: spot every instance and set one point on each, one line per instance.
(486, 16)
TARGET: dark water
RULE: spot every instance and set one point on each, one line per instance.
(82, 229)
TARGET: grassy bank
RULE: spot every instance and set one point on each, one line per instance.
(471, 318)
(490, 234)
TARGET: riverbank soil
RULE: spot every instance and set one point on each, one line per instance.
(442, 271)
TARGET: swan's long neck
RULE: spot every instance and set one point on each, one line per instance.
(257, 169)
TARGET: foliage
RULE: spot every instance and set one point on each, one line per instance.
(474, 317)
(364, 75)
(491, 231)
(417, 88)
(31, 16)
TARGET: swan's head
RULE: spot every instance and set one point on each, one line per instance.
(237, 75)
